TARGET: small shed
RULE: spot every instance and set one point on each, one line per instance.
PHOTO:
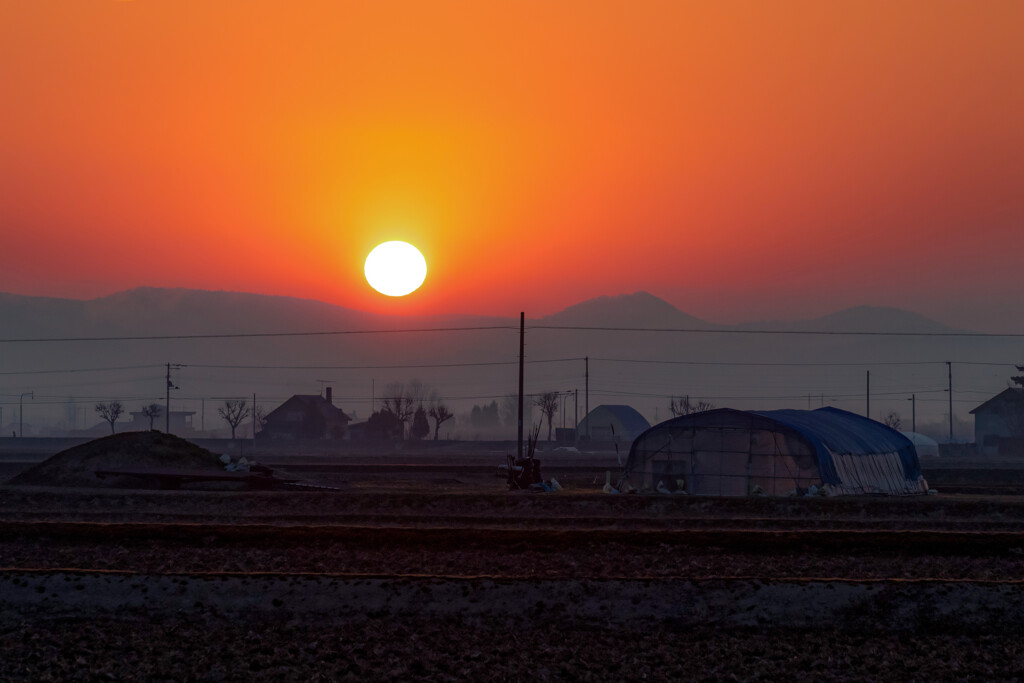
(735, 453)
(613, 423)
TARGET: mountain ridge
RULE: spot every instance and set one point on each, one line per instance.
(153, 308)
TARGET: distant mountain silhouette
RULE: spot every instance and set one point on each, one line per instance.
(639, 309)
(859, 319)
(152, 310)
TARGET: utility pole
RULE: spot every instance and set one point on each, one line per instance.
(21, 412)
(586, 373)
(913, 412)
(949, 367)
(167, 400)
(254, 422)
(202, 410)
(167, 403)
(575, 416)
(867, 409)
(522, 349)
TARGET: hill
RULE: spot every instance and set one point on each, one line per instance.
(639, 309)
(76, 467)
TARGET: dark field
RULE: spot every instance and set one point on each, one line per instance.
(427, 570)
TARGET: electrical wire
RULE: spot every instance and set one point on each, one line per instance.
(255, 335)
(817, 333)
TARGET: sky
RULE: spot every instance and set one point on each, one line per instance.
(742, 160)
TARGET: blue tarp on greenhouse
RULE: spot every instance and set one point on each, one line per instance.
(842, 432)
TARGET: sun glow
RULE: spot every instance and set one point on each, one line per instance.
(395, 268)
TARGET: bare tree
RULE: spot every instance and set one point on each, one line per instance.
(399, 401)
(152, 411)
(548, 404)
(1019, 380)
(416, 392)
(233, 412)
(110, 412)
(440, 414)
(681, 405)
(261, 418)
(892, 419)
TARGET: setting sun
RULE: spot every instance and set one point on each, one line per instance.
(395, 268)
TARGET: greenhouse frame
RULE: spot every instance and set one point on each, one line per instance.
(730, 452)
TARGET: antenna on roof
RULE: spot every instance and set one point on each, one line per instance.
(322, 383)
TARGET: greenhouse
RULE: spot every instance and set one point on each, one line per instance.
(736, 453)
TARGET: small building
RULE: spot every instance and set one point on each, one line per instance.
(180, 422)
(925, 446)
(616, 423)
(729, 452)
(999, 422)
(306, 416)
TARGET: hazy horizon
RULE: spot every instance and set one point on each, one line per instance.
(545, 311)
(478, 365)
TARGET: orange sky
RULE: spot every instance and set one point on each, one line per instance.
(743, 160)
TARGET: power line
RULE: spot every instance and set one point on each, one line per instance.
(380, 367)
(476, 328)
(826, 333)
(253, 335)
(512, 362)
(72, 370)
(791, 364)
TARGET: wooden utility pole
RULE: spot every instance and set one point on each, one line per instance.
(522, 348)
(586, 402)
(913, 412)
(949, 367)
(167, 403)
(254, 422)
(867, 408)
(167, 400)
(575, 416)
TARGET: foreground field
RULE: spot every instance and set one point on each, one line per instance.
(422, 582)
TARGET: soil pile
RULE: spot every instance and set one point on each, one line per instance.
(126, 451)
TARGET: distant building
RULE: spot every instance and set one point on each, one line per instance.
(181, 422)
(999, 423)
(613, 423)
(306, 416)
(924, 445)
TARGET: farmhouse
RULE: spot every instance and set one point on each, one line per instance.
(999, 423)
(735, 453)
(306, 416)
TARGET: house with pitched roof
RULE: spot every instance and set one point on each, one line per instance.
(306, 416)
(999, 423)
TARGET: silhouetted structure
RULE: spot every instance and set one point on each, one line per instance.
(737, 453)
(306, 416)
(999, 423)
(613, 423)
(181, 422)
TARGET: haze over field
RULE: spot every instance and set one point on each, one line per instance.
(641, 368)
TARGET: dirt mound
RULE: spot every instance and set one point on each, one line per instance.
(126, 451)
